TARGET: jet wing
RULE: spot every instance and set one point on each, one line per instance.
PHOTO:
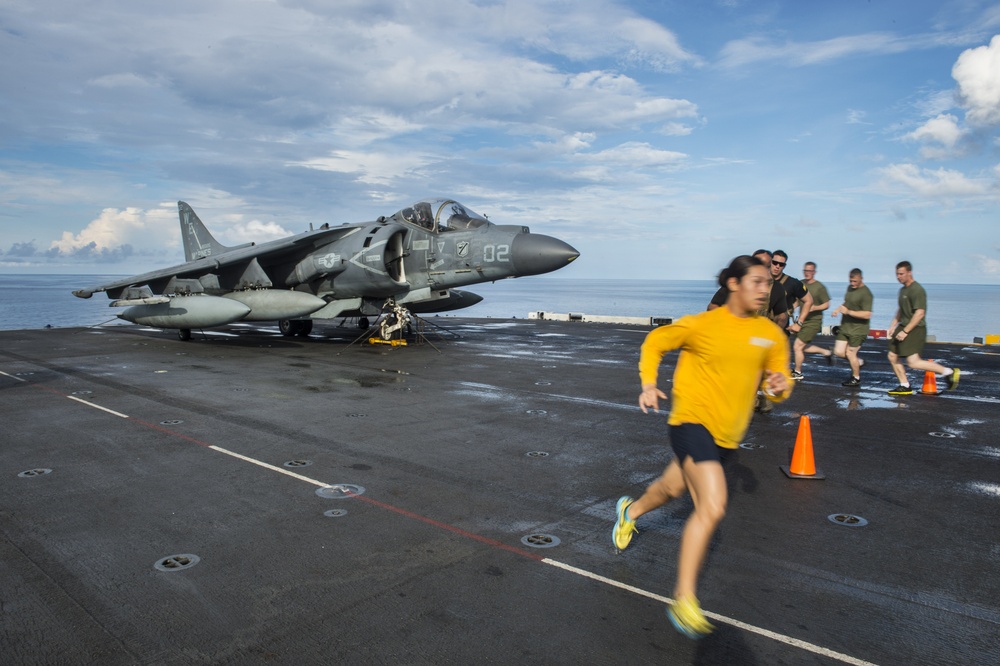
(236, 256)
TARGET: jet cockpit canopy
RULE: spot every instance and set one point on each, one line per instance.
(440, 215)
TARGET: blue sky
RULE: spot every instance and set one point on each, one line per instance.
(658, 137)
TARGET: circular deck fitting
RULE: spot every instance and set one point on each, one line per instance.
(335, 513)
(171, 422)
(297, 463)
(536, 454)
(177, 562)
(543, 383)
(84, 392)
(540, 540)
(752, 446)
(340, 491)
(946, 435)
(38, 471)
(356, 416)
(23, 374)
(847, 520)
(537, 412)
(241, 389)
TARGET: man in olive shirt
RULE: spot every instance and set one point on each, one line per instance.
(812, 323)
(857, 314)
(908, 333)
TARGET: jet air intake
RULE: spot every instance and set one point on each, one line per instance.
(534, 254)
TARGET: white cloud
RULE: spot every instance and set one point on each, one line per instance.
(936, 183)
(114, 230)
(636, 155)
(941, 137)
(755, 49)
(856, 117)
(369, 167)
(988, 265)
(252, 231)
(676, 129)
(977, 72)
(944, 130)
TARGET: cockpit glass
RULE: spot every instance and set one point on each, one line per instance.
(442, 215)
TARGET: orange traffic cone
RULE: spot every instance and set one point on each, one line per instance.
(930, 384)
(803, 465)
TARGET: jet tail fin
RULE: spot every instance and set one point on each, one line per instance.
(198, 241)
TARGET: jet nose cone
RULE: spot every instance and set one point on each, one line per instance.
(534, 254)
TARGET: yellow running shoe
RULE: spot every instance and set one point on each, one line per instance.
(686, 616)
(952, 379)
(621, 535)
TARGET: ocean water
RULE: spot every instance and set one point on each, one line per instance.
(956, 313)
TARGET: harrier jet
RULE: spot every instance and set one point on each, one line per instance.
(411, 261)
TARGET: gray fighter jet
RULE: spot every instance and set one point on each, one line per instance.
(411, 261)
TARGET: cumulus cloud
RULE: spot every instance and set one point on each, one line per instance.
(941, 136)
(22, 250)
(252, 231)
(114, 235)
(977, 72)
(107, 234)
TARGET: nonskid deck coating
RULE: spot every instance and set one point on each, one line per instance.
(161, 448)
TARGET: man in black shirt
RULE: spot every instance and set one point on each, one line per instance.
(776, 308)
(795, 291)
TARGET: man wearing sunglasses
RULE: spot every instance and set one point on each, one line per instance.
(795, 292)
(775, 310)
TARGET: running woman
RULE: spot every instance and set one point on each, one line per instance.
(726, 355)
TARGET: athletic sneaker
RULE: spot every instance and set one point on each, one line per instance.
(901, 390)
(952, 381)
(621, 535)
(853, 382)
(686, 616)
(797, 375)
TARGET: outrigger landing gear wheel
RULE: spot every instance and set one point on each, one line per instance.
(289, 327)
(184, 334)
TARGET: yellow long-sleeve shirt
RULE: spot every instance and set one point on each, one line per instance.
(720, 368)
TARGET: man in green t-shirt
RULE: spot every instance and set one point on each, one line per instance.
(812, 323)
(908, 333)
(857, 315)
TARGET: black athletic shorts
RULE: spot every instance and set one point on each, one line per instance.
(693, 439)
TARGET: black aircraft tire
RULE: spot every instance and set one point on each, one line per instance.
(305, 328)
(289, 327)
(363, 322)
(183, 334)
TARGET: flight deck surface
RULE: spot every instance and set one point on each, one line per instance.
(248, 498)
